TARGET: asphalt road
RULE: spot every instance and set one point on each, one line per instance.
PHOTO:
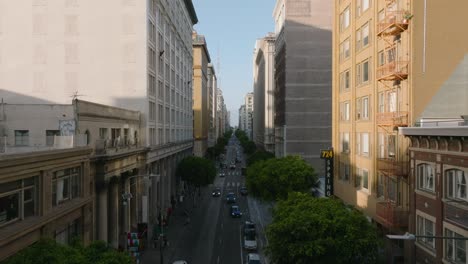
(213, 236)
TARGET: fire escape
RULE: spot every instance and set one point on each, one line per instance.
(391, 71)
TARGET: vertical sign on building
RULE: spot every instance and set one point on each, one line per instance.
(327, 155)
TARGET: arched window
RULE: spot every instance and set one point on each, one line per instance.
(456, 184)
(425, 177)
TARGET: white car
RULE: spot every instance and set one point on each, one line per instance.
(180, 262)
(253, 258)
(250, 242)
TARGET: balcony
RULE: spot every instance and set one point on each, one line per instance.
(114, 146)
(393, 23)
(456, 212)
(392, 216)
(398, 119)
(392, 167)
(392, 71)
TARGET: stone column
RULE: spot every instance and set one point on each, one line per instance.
(114, 214)
(101, 210)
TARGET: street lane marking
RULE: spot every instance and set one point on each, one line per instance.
(240, 242)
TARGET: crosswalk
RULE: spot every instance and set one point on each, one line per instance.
(232, 173)
(233, 184)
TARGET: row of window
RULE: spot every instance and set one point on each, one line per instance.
(387, 103)
(361, 177)
(454, 184)
(362, 41)
(20, 199)
(157, 136)
(386, 144)
(362, 75)
(345, 16)
(454, 243)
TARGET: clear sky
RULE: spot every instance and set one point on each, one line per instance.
(232, 26)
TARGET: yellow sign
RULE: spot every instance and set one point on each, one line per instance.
(326, 153)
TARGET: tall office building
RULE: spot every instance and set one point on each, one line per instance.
(212, 107)
(264, 108)
(242, 118)
(303, 79)
(249, 114)
(202, 83)
(131, 54)
(396, 64)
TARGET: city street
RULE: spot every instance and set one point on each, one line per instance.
(213, 236)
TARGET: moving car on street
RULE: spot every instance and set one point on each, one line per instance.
(243, 190)
(249, 227)
(230, 197)
(216, 192)
(250, 242)
(235, 211)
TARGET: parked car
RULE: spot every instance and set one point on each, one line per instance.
(216, 192)
(250, 242)
(243, 190)
(235, 211)
(253, 258)
(230, 197)
(249, 227)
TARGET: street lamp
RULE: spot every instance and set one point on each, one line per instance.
(413, 237)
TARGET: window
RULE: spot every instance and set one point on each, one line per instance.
(456, 184)
(126, 136)
(381, 146)
(151, 85)
(365, 179)
(344, 171)
(115, 135)
(392, 190)
(345, 111)
(345, 142)
(66, 235)
(152, 111)
(362, 72)
(425, 174)
(66, 185)
(18, 200)
(381, 58)
(103, 133)
(160, 114)
(344, 19)
(365, 144)
(392, 102)
(391, 139)
(380, 185)
(358, 39)
(381, 102)
(455, 249)
(425, 227)
(365, 108)
(362, 6)
(365, 35)
(21, 137)
(152, 136)
(50, 136)
(345, 51)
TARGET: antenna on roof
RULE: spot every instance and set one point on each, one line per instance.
(75, 95)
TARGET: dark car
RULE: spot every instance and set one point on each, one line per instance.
(231, 197)
(216, 192)
(243, 190)
(233, 166)
(249, 227)
(235, 211)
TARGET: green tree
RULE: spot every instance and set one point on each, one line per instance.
(320, 230)
(48, 251)
(273, 179)
(258, 156)
(196, 171)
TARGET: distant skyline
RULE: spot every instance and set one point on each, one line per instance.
(231, 28)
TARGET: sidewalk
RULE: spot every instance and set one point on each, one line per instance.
(174, 233)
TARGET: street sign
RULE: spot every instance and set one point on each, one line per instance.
(327, 155)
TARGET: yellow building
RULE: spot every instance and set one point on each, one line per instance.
(201, 114)
(396, 63)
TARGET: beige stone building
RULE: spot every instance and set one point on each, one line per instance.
(264, 104)
(397, 63)
(130, 54)
(201, 95)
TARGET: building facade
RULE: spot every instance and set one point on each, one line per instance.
(201, 94)
(242, 118)
(438, 204)
(123, 61)
(393, 67)
(303, 76)
(220, 113)
(212, 105)
(249, 114)
(263, 65)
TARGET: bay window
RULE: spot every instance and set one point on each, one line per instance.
(66, 185)
(18, 200)
(425, 174)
